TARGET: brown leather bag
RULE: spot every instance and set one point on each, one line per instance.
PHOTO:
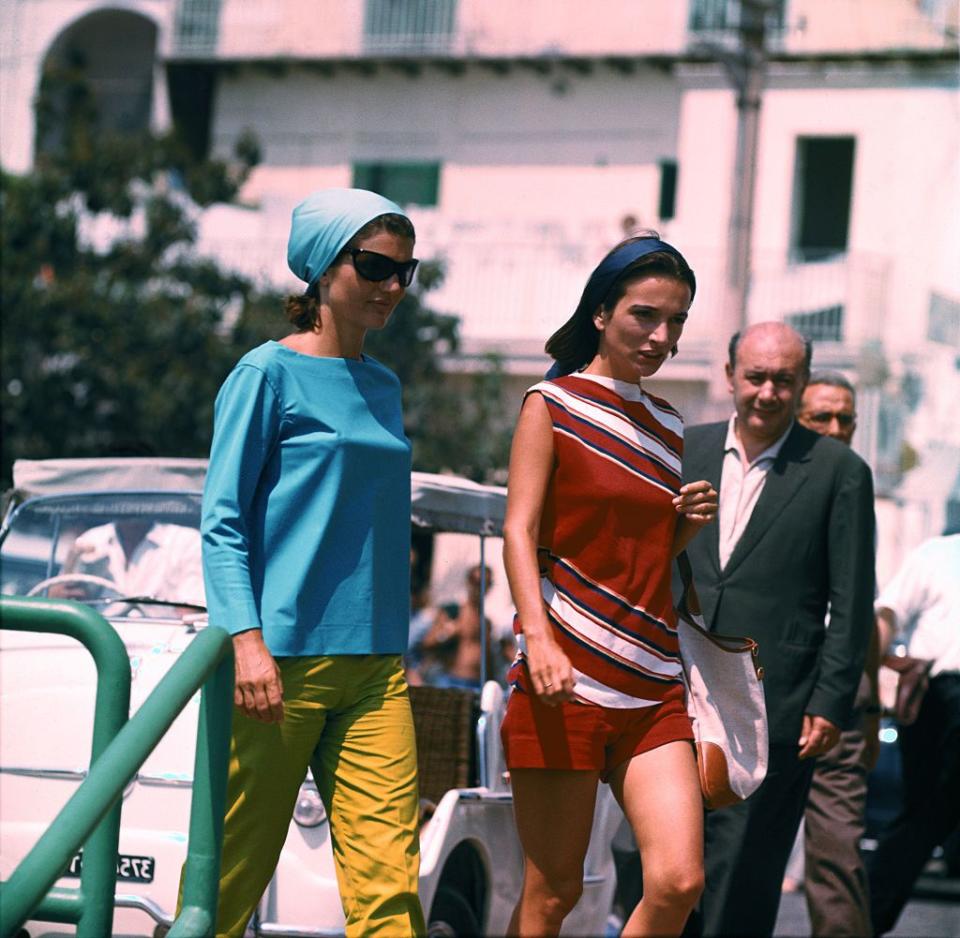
(913, 679)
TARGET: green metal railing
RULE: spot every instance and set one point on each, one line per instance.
(92, 815)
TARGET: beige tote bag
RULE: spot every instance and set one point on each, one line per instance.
(722, 676)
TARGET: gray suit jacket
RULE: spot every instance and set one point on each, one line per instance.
(808, 543)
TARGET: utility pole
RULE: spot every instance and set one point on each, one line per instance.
(746, 69)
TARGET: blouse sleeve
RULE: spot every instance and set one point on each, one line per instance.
(246, 427)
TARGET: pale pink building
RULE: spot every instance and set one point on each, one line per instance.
(526, 136)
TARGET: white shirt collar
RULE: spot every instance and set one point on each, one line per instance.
(626, 389)
(771, 452)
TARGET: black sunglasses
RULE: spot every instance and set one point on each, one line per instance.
(378, 267)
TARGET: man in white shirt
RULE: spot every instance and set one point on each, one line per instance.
(142, 558)
(922, 604)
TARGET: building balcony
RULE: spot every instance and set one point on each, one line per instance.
(446, 29)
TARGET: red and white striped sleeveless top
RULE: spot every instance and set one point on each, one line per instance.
(606, 536)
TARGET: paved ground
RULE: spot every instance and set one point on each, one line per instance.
(922, 918)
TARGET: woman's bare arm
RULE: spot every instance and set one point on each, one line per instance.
(531, 465)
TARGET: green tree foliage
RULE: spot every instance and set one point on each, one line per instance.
(456, 421)
(120, 337)
(111, 340)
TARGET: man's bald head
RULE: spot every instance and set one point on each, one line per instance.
(769, 365)
(779, 332)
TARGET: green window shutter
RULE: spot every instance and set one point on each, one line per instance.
(405, 183)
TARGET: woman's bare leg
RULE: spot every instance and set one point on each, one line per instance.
(554, 812)
(659, 792)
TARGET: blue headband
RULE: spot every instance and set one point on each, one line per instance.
(609, 271)
(324, 222)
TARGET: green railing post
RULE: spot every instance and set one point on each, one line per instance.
(201, 881)
(109, 775)
(91, 906)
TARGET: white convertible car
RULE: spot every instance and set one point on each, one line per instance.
(59, 538)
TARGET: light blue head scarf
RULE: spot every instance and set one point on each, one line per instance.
(325, 221)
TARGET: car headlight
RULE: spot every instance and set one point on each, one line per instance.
(309, 810)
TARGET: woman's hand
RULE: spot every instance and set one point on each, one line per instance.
(258, 689)
(550, 670)
(697, 502)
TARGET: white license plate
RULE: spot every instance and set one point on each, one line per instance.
(130, 869)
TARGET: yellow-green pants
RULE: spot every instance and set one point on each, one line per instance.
(347, 717)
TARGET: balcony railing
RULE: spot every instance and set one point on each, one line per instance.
(712, 16)
(196, 28)
(414, 27)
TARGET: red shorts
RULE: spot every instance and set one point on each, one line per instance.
(587, 736)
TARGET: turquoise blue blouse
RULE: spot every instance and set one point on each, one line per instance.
(306, 507)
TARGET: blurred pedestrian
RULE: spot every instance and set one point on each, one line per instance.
(835, 877)
(454, 639)
(922, 604)
(595, 516)
(306, 551)
(795, 533)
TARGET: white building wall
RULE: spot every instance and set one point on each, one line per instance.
(819, 25)
(334, 28)
(705, 154)
(904, 184)
(536, 178)
(479, 118)
(904, 235)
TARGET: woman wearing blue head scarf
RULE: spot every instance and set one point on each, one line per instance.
(306, 544)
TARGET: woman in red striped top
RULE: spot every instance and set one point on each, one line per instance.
(595, 515)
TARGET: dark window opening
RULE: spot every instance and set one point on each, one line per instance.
(823, 185)
(668, 190)
(405, 183)
(99, 70)
(191, 89)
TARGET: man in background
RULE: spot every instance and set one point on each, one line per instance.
(835, 877)
(922, 604)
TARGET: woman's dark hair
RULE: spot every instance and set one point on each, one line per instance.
(302, 309)
(575, 343)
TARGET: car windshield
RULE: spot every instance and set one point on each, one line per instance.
(103, 548)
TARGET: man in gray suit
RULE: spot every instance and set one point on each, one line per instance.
(795, 534)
